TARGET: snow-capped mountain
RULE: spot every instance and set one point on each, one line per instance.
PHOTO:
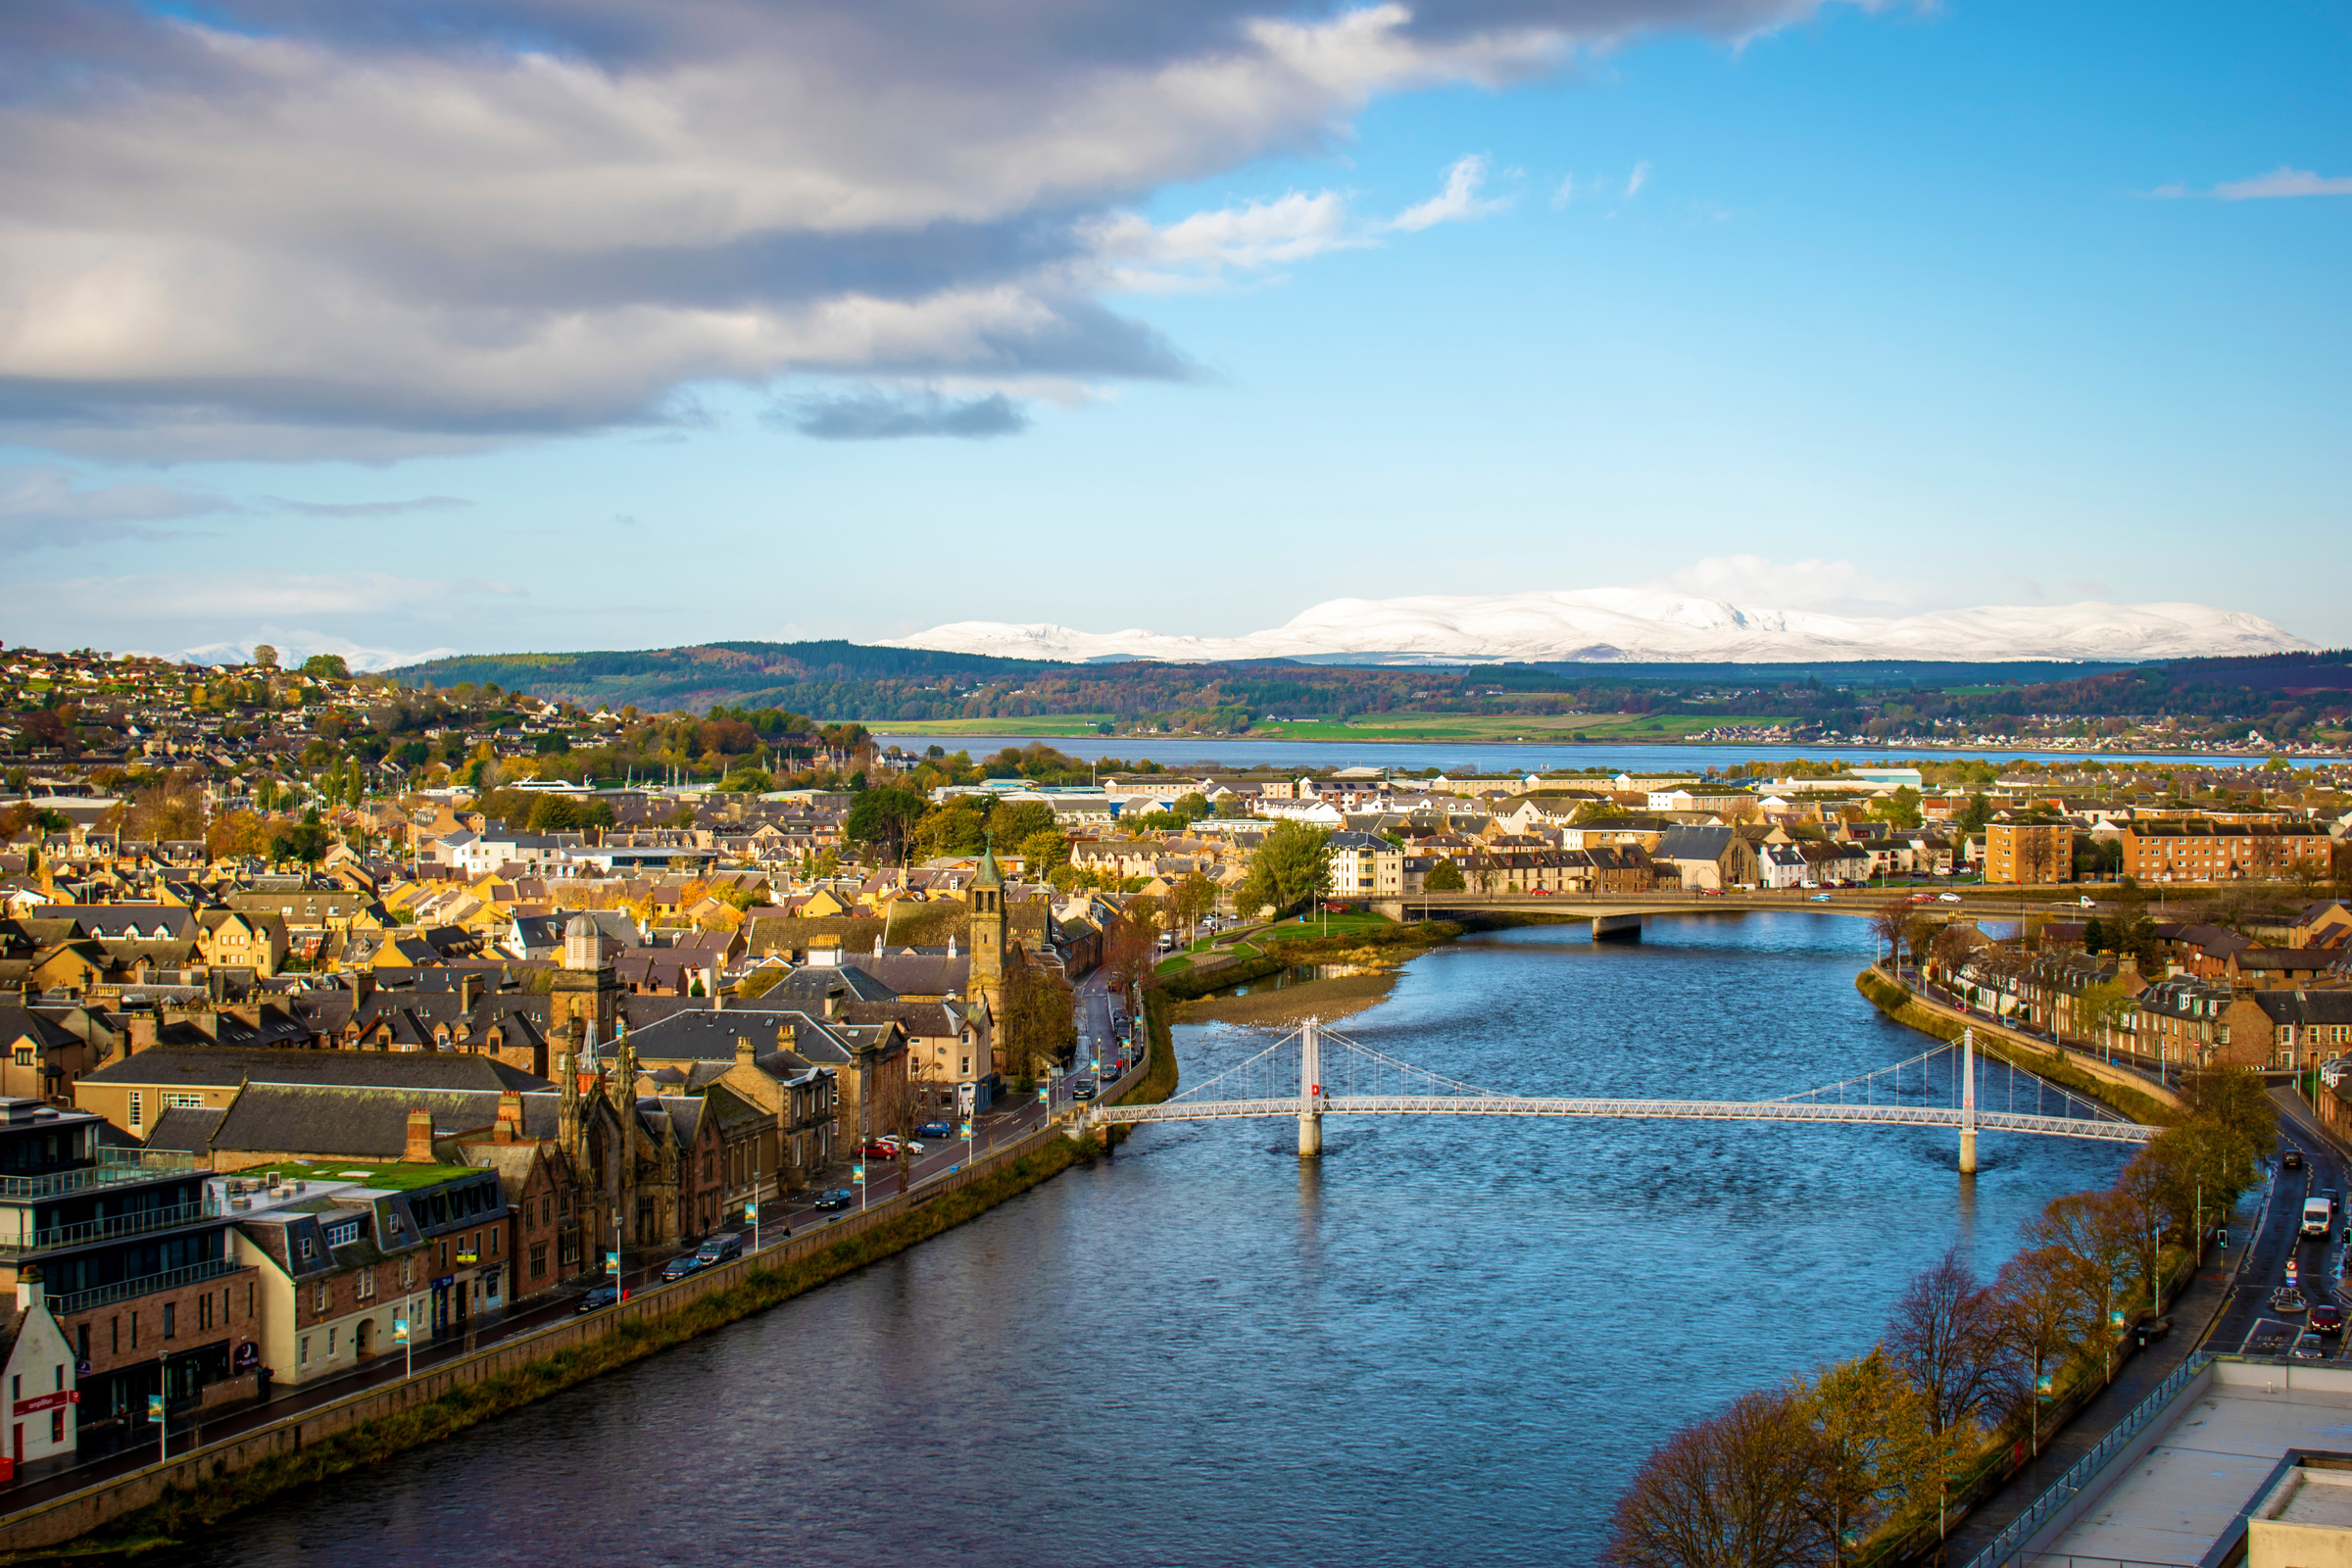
(1640, 625)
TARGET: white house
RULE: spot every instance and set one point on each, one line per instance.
(43, 1399)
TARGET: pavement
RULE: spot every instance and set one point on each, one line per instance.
(2224, 1308)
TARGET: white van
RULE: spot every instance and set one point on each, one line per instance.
(2319, 1216)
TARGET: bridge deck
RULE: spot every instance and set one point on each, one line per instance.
(2119, 1132)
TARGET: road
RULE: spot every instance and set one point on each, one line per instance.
(2248, 1325)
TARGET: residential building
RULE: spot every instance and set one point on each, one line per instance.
(2029, 851)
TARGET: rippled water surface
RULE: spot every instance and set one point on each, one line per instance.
(1451, 1341)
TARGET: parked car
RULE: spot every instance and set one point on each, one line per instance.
(677, 1268)
(1819, 897)
(602, 1296)
(878, 1149)
(835, 1198)
(2309, 1347)
(1948, 898)
(935, 1129)
(2327, 1319)
(2292, 1159)
(2287, 1300)
(912, 1146)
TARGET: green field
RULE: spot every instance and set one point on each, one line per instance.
(1076, 726)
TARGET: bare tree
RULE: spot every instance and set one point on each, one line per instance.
(1887, 923)
(1726, 1493)
(1944, 1337)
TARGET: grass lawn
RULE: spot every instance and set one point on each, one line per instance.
(1330, 925)
(387, 1177)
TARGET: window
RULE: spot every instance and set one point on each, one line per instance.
(318, 1297)
(366, 1283)
(494, 1240)
(57, 1426)
(170, 1319)
(81, 1342)
(302, 1354)
(343, 1233)
(405, 1280)
(538, 1260)
(180, 1101)
(204, 1311)
(134, 1111)
(331, 1343)
(23, 1056)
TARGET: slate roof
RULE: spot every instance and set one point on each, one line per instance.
(347, 1123)
(224, 1068)
(189, 1130)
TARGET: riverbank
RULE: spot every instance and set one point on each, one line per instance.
(1285, 1007)
(163, 1504)
(2113, 1087)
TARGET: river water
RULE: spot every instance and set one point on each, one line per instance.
(1204, 752)
(1449, 1341)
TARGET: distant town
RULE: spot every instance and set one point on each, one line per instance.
(349, 1014)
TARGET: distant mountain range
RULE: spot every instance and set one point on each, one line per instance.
(1635, 625)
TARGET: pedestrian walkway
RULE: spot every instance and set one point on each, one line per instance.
(2197, 1308)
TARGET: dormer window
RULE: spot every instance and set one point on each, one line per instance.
(343, 1233)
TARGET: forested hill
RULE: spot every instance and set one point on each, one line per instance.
(661, 679)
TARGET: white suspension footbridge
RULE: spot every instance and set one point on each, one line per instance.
(1301, 1075)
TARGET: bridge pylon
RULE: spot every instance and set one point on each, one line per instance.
(1310, 1092)
(1968, 1102)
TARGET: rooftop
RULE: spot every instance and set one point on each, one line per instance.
(375, 1176)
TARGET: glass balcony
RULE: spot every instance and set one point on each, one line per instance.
(100, 1230)
(113, 1167)
(64, 1305)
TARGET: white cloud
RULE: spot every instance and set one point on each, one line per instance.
(40, 506)
(1636, 180)
(2279, 182)
(242, 596)
(1206, 247)
(1790, 585)
(1565, 192)
(291, 231)
(1458, 202)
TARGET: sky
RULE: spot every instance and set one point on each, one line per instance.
(539, 325)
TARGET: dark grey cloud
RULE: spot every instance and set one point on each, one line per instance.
(311, 228)
(886, 416)
(370, 509)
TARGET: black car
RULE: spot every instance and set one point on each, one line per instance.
(2292, 1159)
(677, 1268)
(2309, 1349)
(836, 1198)
(602, 1296)
(1083, 1089)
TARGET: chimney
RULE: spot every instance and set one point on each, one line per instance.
(509, 1117)
(743, 1050)
(832, 1004)
(951, 944)
(469, 989)
(28, 1288)
(138, 1034)
(420, 1137)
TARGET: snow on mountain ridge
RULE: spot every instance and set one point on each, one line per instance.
(1651, 626)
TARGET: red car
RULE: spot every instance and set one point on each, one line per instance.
(878, 1149)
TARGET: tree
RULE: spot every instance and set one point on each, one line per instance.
(2041, 1320)
(1193, 897)
(884, 820)
(1724, 1493)
(1865, 1444)
(1037, 1027)
(303, 841)
(954, 828)
(1899, 810)
(1043, 853)
(235, 833)
(2094, 1235)
(1009, 823)
(1445, 877)
(1133, 946)
(1293, 865)
(325, 666)
(1943, 1338)
(1887, 923)
(2101, 1010)
(264, 655)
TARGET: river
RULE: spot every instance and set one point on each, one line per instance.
(1451, 1341)
(1214, 751)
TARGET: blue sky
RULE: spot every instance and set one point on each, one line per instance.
(1915, 307)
